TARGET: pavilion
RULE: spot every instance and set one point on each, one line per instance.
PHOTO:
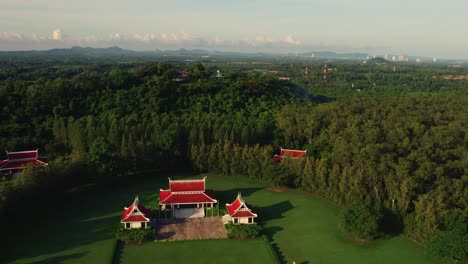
(186, 198)
(290, 153)
(136, 215)
(21, 159)
(240, 212)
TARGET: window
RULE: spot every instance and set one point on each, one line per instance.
(143, 224)
(127, 225)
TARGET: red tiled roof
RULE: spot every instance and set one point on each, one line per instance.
(21, 159)
(293, 153)
(163, 194)
(185, 198)
(232, 208)
(142, 213)
(135, 218)
(239, 208)
(30, 154)
(186, 192)
(243, 213)
(14, 165)
(187, 185)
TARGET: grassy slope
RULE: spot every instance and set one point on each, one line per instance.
(207, 251)
(303, 228)
(78, 229)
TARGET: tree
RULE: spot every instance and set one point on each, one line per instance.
(197, 71)
(452, 243)
(119, 78)
(104, 157)
(361, 220)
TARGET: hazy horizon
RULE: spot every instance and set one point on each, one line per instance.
(417, 28)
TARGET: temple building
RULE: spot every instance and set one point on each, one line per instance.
(21, 159)
(240, 212)
(186, 198)
(136, 215)
(290, 153)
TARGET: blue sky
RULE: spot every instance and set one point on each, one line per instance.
(413, 27)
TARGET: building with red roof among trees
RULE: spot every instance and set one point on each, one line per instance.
(21, 159)
(240, 212)
(136, 215)
(290, 153)
(186, 194)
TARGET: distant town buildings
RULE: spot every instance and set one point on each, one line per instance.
(217, 75)
(451, 77)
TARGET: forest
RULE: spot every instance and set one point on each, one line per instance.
(393, 140)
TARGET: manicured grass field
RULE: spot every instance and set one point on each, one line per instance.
(302, 227)
(203, 251)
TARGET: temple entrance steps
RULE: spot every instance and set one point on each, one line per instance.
(191, 229)
(189, 213)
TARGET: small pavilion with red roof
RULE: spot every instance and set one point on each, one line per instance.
(240, 212)
(136, 215)
(290, 153)
(21, 159)
(187, 194)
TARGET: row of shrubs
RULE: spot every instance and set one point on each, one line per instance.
(135, 235)
(243, 231)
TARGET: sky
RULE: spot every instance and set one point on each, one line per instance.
(430, 28)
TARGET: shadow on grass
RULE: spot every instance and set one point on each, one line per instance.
(278, 252)
(60, 259)
(77, 219)
(274, 211)
(270, 231)
(117, 259)
(229, 196)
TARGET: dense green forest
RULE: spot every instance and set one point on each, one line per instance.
(395, 140)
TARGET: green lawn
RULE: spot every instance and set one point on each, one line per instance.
(206, 251)
(303, 228)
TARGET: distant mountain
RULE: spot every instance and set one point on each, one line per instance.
(192, 54)
(334, 55)
(75, 50)
(378, 60)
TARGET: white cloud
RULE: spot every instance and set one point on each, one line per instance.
(11, 36)
(143, 41)
(291, 40)
(57, 35)
(115, 36)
